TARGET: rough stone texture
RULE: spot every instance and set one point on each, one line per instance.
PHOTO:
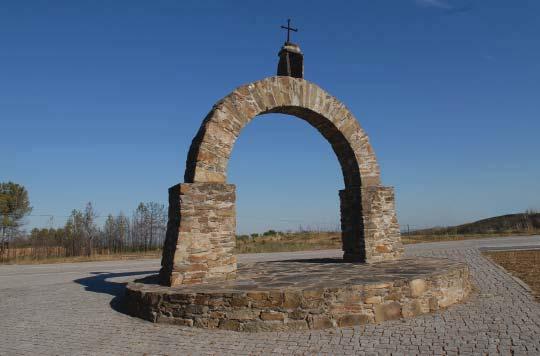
(381, 227)
(211, 148)
(305, 294)
(370, 230)
(201, 234)
(72, 309)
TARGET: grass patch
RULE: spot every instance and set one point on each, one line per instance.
(524, 264)
(28, 260)
(419, 238)
(268, 242)
(283, 242)
(305, 241)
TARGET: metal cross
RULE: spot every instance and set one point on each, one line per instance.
(289, 29)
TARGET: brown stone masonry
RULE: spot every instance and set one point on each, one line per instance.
(381, 227)
(200, 235)
(370, 230)
(308, 294)
(212, 146)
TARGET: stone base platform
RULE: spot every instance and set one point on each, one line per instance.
(305, 294)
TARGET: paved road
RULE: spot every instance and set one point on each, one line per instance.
(76, 309)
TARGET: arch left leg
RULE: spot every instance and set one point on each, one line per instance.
(201, 234)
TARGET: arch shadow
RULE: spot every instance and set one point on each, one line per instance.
(99, 283)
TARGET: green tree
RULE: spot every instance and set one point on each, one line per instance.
(270, 233)
(14, 206)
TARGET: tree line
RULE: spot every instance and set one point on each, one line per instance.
(81, 235)
(14, 206)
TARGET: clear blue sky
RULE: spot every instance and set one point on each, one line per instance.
(99, 101)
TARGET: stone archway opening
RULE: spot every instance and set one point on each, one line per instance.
(287, 295)
(202, 215)
(286, 178)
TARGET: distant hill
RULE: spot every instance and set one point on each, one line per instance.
(511, 223)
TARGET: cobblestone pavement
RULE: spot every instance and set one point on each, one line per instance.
(75, 309)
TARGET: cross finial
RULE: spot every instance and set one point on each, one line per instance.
(289, 29)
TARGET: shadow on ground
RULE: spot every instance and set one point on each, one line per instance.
(100, 282)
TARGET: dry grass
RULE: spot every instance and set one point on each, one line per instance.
(29, 260)
(281, 242)
(523, 264)
(305, 241)
(414, 239)
(300, 241)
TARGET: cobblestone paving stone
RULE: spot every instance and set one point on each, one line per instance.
(73, 309)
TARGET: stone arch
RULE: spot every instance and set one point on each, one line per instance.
(201, 231)
(211, 148)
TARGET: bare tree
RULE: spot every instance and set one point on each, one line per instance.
(139, 225)
(91, 231)
(149, 225)
(157, 224)
(81, 236)
(121, 232)
(109, 233)
(74, 233)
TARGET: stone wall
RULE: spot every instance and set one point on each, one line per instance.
(201, 234)
(370, 229)
(246, 306)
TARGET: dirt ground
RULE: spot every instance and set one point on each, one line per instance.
(523, 264)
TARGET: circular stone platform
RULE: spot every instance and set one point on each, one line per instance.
(305, 294)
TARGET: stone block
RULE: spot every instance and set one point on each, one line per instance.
(257, 295)
(233, 325)
(320, 322)
(387, 311)
(239, 301)
(353, 319)
(272, 316)
(297, 314)
(418, 287)
(243, 314)
(292, 299)
(313, 294)
(376, 299)
(413, 308)
(296, 325)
